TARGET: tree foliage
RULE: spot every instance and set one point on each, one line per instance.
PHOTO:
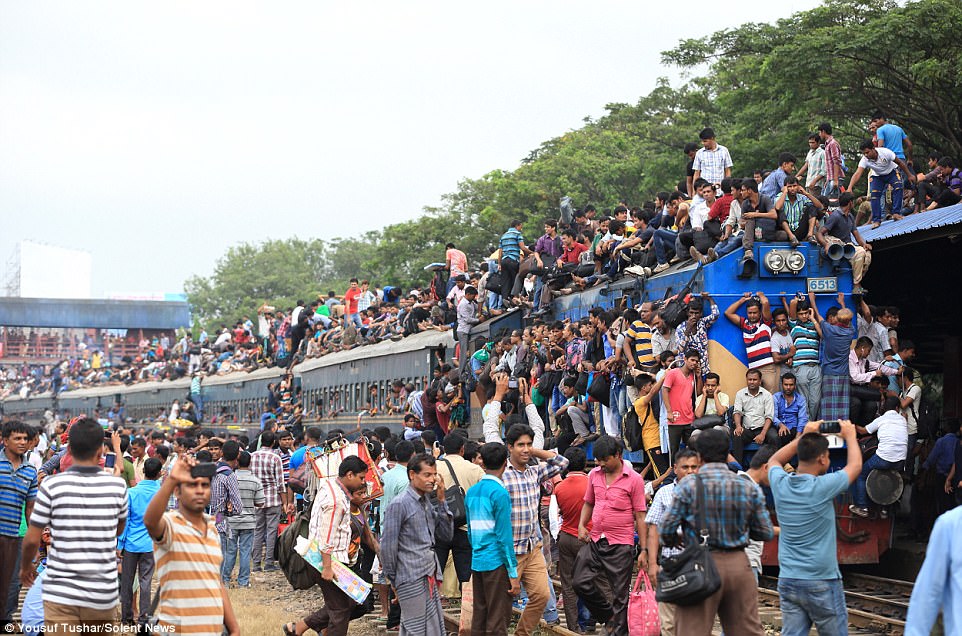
(764, 87)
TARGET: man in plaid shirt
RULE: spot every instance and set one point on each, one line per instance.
(268, 467)
(523, 482)
(734, 510)
(833, 161)
(713, 162)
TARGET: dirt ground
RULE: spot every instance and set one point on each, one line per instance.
(270, 602)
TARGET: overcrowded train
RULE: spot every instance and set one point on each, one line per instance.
(335, 388)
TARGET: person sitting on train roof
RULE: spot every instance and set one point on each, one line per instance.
(761, 220)
(840, 228)
(665, 239)
(797, 208)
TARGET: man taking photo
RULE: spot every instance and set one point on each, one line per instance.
(809, 582)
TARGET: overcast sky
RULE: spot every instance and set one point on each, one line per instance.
(156, 135)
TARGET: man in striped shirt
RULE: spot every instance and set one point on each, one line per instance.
(240, 534)
(285, 441)
(86, 509)
(18, 490)
(512, 249)
(638, 348)
(806, 338)
(193, 600)
(833, 161)
(757, 335)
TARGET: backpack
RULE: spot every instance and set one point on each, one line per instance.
(300, 574)
(631, 429)
(926, 416)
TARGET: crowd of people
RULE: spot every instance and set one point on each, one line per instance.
(492, 519)
(708, 214)
(95, 515)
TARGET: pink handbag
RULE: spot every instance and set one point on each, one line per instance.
(643, 609)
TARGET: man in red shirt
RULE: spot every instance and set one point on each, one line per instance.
(615, 504)
(351, 297)
(570, 495)
(677, 394)
(571, 249)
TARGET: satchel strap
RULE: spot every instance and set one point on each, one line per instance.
(700, 510)
(453, 474)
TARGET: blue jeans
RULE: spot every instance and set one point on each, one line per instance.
(241, 540)
(728, 245)
(858, 488)
(664, 239)
(198, 401)
(830, 189)
(356, 319)
(584, 616)
(876, 189)
(805, 603)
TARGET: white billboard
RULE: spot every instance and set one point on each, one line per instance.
(47, 271)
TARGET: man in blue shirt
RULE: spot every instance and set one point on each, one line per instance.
(494, 567)
(772, 186)
(512, 249)
(136, 546)
(938, 586)
(791, 410)
(941, 459)
(809, 581)
(892, 137)
(18, 491)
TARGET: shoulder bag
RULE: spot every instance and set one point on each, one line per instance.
(690, 577)
(454, 497)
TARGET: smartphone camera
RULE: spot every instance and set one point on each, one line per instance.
(512, 382)
(203, 469)
(110, 460)
(830, 427)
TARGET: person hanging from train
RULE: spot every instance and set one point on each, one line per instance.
(756, 330)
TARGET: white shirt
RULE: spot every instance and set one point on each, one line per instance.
(893, 436)
(781, 343)
(884, 164)
(698, 214)
(914, 392)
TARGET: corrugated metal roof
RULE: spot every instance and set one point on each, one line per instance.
(942, 217)
(93, 314)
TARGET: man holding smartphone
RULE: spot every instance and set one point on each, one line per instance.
(809, 582)
(188, 553)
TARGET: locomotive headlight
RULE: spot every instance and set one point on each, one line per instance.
(796, 262)
(774, 261)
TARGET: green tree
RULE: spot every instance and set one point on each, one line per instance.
(762, 87)
(276, 272)
(839, 62)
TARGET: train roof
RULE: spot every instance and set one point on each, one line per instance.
(416, 342)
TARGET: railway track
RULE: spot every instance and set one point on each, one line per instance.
(875, 605)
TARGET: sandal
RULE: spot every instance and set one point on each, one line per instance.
(290, 629)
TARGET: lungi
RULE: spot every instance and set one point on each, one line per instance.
(420, 603)
(835, 397)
